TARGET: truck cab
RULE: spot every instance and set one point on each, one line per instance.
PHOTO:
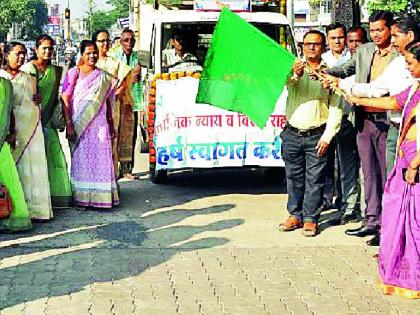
(179, 131)
(200, 26)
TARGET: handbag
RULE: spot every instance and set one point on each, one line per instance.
(57, 120)
(6, 206)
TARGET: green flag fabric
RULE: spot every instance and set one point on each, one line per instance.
(245, 70)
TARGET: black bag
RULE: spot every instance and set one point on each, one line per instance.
(58, 120)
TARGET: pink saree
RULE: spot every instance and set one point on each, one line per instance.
(399, 255)
(92, 169)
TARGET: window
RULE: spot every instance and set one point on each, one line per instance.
(325, 6)
(198, 36)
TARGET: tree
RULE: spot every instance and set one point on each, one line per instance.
(35, 17)
(32, 13)
(102, 20)
(6, 16)
(396, 6)
(121, 7)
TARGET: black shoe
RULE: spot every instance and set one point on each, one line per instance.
(361, 231)
(349, 218)
(326, 205)
(80, 208)
(374, 241)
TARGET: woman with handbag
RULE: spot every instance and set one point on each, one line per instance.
(29, 152)
(399, 255)
(88, 95)
(14, 214)
(48, 82)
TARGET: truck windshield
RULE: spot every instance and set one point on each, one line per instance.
(195, 38)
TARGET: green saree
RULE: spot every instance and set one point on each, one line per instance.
(48, 85)
(19, 219)
(29, 152)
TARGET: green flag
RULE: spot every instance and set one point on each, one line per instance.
(245, 71)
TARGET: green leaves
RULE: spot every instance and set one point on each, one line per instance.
(102, 20)
(396, 6)
(105, 19)
(122, 7)
(33, 13)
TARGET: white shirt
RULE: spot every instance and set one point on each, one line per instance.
(395, 79)
(171, 59)
(332, 61)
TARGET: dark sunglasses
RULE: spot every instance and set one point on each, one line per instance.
(129, 40)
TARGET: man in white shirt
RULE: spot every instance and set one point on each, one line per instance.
(395, 79)
(179, 57)
(338, 53)
(345, 140)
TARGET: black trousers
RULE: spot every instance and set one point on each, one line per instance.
(343, 149)
(305, 174)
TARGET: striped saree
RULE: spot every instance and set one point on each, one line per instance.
(92, 168)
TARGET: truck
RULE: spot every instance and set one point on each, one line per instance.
(183, 134)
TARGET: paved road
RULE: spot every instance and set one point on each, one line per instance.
(205, 243)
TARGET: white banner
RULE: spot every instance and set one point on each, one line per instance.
(214, 5)
(190, 135)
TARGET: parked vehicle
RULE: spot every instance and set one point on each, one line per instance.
(183, 134)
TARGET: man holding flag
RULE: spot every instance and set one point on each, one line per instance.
(314, 116)
(251, 84)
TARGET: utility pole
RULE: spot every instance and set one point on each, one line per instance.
(135, 9)
(90, 8)
(283, 10)
(291, 13)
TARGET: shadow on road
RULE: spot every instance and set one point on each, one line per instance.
(66, 263)
(77, 249)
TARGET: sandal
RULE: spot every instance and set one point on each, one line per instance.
(130, 176)
(310, 229)
(290, 224)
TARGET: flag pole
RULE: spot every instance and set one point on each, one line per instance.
(320, 76)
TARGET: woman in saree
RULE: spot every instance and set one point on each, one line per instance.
(48, 82)
(88, 95)
(122, 108)
(399, 254)
(19, 219)
(29, 152)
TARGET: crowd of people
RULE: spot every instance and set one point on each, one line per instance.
(351, 124)
(356, 106)
(95, 107)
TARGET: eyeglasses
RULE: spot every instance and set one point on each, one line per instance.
(129, 40)
(311, 44)
(102, 41)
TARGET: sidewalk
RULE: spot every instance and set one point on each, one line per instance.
(203, 244)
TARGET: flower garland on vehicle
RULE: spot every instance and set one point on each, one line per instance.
(152, 105)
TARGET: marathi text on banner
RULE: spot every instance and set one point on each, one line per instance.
(190, 135)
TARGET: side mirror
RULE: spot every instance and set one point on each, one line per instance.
(145, 59)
